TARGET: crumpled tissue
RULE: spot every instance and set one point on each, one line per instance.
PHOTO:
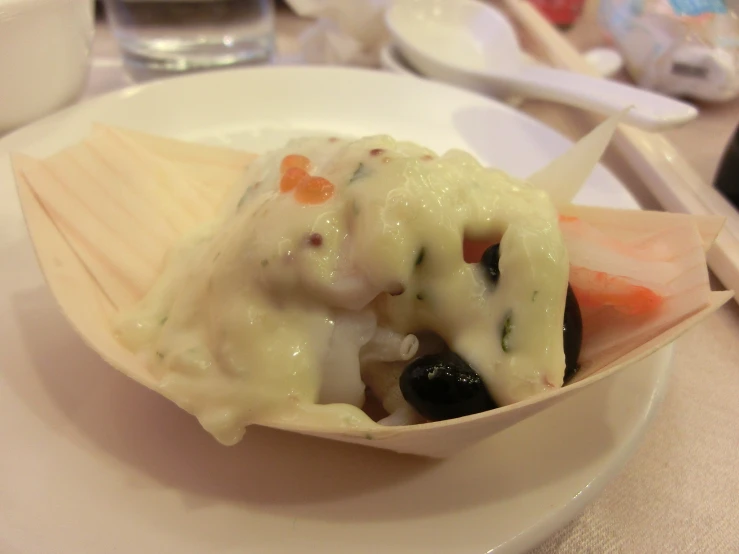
(346, 32)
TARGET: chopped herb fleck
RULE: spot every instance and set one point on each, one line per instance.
(359, 173)
(160, 355)
(420, 296)
(506, 332)
(163, 320)
(533, 296)
(420, 257)
(368, 436)
(264, 263)
(247, 193)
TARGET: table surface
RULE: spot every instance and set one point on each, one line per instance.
(678, 493)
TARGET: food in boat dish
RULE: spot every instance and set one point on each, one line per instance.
(337, 267)
(340, 285)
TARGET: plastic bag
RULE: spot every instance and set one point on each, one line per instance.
(677, 47)
(347, 32)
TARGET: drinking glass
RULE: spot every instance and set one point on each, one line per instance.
(44, 56)
(179, 35)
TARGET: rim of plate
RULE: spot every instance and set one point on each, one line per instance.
(15, 136)
(562, 515)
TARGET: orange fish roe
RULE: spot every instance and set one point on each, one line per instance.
(292, 177)
(567, 219)
(294, 160)
(314, 190)
(596, 288)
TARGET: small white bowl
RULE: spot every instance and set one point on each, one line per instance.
(606, 61)
(45, 46)
(392, 60)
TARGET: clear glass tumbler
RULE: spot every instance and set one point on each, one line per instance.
(180, 35)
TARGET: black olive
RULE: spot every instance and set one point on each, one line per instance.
(571, 334)
(490, 259)
(444, 386)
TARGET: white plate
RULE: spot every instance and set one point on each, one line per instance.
(90, 462)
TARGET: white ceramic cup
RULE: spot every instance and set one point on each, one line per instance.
(44, 56)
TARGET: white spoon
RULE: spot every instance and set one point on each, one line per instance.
(472, 44)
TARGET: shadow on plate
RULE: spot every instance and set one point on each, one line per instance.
(478, 128)
(158, 444)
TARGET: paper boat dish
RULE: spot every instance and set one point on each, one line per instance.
(91, 211)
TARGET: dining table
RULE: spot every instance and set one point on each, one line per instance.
(679, 492)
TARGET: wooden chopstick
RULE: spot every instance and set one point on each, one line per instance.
(666, 173)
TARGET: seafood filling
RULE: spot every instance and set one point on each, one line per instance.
(341, 265)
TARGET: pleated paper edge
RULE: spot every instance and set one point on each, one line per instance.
(379, 437)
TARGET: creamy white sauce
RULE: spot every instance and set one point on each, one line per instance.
(250, 322)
